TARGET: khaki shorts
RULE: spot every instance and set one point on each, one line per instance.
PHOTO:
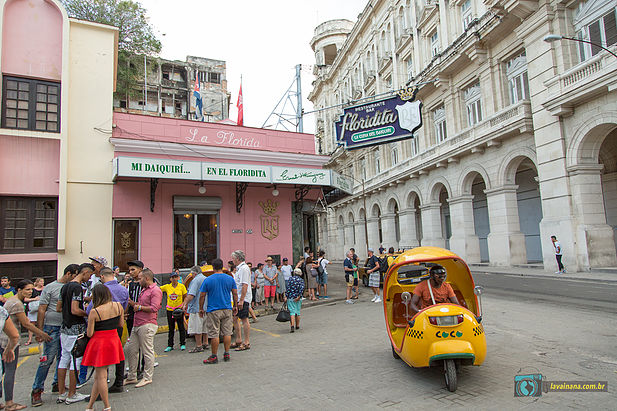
(219, 322)
(197, 325)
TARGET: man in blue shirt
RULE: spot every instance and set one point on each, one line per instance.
(119, 294)
(222, 290)
(6, 291)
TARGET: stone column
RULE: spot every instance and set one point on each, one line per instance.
(360, 238)
(332, 246)
(595, 238)
(349, 238)
(464, 240)
(431, 225)
(506, 242)
(407, 220)
(388, 228)
(373, 233)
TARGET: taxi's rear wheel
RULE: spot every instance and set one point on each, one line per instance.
(450, 375)
(394, 354)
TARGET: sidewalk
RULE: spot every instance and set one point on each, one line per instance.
(604, 274)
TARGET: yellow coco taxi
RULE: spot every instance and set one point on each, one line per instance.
(445, 334)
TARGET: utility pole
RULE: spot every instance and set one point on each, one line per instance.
(299, 97)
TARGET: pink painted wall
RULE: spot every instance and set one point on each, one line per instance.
(151, 128)
(29, 166)
(132, 200)
(32, 39)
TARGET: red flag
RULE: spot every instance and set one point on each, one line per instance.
(240, 107)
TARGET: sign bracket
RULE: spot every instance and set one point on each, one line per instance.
(154, 182)
(240, 190)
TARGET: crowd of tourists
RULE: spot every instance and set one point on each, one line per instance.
(92, 318)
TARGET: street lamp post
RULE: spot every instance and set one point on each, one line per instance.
(551, 38)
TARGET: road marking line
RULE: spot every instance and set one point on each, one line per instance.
(265, 332)
(23, 360)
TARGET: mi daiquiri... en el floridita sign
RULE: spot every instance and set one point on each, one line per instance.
(384, 121)
(211, 171)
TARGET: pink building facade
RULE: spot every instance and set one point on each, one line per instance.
(187, 192)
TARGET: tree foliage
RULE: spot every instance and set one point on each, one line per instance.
(136, 35)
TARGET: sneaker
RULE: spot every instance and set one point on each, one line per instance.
(213, 359)
(62, 398)
(182, 347)
(77, 397)
(143, 383)
(54, 387)
(374, 298)
(226, 357)
(378, 300)
(132, 381)
(81, 384)
(325, 297)
(563, 271)
(168, 349)
(557, 272)
(348, 302)
(35, 397)
(292, 330)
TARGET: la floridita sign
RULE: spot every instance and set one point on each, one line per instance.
(379, 122)
(212, 171)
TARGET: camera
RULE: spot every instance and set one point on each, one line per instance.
(528, 385)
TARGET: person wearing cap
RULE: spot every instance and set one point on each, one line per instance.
(372, 269)
(286, 270)
(176, 293)
(293, 296)
(270, 275)
(433, 291)
(135, 268)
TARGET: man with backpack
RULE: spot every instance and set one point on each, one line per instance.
(372, 269)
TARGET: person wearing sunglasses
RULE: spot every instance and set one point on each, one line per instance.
(433, 291)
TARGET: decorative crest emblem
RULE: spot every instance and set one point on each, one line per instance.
(269, 221)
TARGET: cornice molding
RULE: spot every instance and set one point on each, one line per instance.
(219, 153)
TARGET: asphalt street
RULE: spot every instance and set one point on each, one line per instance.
(341, 359)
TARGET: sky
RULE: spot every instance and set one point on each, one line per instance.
(262, 41)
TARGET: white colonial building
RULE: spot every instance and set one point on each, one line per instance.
(519, 135)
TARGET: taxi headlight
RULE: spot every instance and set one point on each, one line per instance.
(446, 320)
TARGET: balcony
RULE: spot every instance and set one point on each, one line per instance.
(581, 83)
(173, 83)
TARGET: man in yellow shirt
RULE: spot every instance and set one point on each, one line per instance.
(176, 293)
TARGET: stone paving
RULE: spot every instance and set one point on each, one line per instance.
(341, 359)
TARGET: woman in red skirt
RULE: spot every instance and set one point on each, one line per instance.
(104, 347)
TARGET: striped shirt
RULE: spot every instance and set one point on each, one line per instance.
(134, 291)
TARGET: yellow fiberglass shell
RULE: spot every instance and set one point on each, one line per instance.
(421, 345)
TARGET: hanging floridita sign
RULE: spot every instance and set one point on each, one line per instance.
(384, 121)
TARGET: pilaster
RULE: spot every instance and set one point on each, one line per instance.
(431, 225)
(506, 242)
(407, 221)
(464, 240)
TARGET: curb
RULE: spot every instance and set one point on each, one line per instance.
(550, 276)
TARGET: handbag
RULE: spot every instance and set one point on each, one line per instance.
(79, 348)
(283, 315)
